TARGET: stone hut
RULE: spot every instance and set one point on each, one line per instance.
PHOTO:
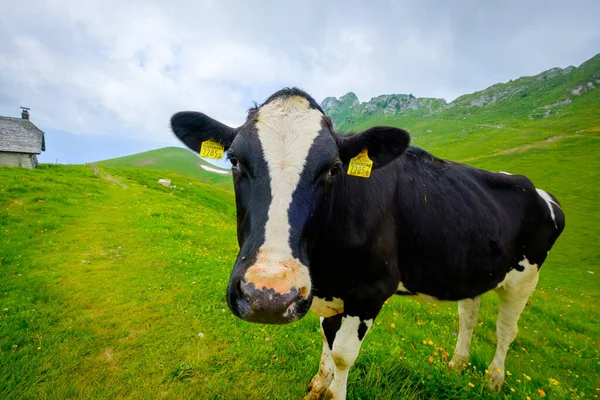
(20, 141)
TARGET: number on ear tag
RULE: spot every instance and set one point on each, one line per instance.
(211, 149)
(361, 165)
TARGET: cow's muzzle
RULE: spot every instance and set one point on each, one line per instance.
(270, 291)
(266, 306)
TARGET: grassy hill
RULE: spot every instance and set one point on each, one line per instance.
(551, 106)
(172, 159)
(112, 286)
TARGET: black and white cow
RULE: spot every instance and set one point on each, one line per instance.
(313, 237)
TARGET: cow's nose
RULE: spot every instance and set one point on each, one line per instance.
(270, 306)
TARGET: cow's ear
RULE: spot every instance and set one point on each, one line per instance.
(193, 128)
(383, 144)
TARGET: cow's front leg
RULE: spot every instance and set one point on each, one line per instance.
(346, 345)
(321, 381)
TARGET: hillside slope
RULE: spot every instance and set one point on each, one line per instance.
(113, 286)
(176, 160)
(556, 92)
(553, 104)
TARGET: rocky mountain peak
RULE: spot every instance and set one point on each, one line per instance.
(350, 100)
(539, 96)
(385, 104)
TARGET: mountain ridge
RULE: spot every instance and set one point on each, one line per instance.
(528, 97)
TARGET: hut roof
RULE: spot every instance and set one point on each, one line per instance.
(20, 136)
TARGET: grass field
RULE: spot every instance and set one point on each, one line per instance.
(112, 286)
(169, 160)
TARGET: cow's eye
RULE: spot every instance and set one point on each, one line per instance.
(335, 169)
(232, 159)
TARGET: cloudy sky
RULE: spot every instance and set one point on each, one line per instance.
(103, 77)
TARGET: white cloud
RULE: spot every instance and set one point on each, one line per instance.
(123, 67)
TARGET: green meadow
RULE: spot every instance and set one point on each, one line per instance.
(113, 287)
(172, 159)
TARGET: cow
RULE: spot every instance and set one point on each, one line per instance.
(314, 237)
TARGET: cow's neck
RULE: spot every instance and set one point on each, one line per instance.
(357, 210)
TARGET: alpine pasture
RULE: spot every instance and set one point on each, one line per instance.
(112, 286)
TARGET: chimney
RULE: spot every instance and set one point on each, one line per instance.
(25, 112)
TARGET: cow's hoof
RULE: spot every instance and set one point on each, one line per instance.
(458, 362)
(328, 395)
(316, 388)
(496, 379)
(311, 384)
(312, 396)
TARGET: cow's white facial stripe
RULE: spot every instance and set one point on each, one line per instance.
(550, 202)
(286, 128)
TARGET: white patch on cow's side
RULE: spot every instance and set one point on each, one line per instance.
(504, 172)
(416, 296)
(287, 128)
(514, 278)
(513, 293)
(345, 350)
(324, 308)
(550, 202)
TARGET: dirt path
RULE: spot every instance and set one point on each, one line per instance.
(520, 149)
(112, 179)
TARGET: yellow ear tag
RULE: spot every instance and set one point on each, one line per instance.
(360, 165)
(211, 149)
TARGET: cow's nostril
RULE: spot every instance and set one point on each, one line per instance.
(267, 305)
(245, 288)
(262, 299)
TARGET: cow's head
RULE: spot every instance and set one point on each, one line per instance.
(286, 161)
